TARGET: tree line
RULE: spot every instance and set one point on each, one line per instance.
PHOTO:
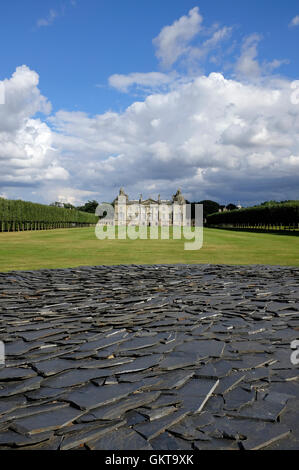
(268, 215)
(18, 215)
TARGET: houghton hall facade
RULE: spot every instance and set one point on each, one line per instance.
(149, 212)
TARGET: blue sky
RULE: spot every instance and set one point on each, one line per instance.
(80, 67)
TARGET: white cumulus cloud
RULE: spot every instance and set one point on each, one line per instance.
(148, 80)
(172, 41)
(27, 155)
(295, 21)
(211, 136)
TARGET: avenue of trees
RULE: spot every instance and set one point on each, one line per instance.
(269, 215)
(18, 215)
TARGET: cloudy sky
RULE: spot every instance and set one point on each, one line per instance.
(150, 95)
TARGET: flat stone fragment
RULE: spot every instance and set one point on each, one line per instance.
(31, 410)
(216, 444)
(281, 398)
(49, 444)
(164, 400)
(91, 396)
(172, 380)
(261, 411)
(178, 360)
(17, 348)
(41, 334)
(90, 434)
(139, 364)
(186, 430)
(150, 430)
(53, 366)
(196, 393)
(116, 410)
(103, 364)
(262, 438)
(245, 347)
(121, 439)
(16, 373)
(214, 371)
(10, 404)
(203, 348)
(139, 343)
(238, 398)
(133, 417)
(73, 377)
(263, 373)
(157, 413)
(14, 439)
(14, 388)
(46, 393)
(165, 441)
(102, 343)
(47, 421)
(228, 383)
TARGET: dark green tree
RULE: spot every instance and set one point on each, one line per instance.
(231, 207)
(89, 206)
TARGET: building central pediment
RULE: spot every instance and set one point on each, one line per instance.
(149, 201)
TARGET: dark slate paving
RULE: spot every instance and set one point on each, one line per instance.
(165, 357)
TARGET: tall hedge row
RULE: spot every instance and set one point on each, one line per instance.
(276, 215)
(21, 215)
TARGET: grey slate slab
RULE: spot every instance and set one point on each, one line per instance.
(54, 366)
(14, 388)
(261, 411)
(264, 437)
(164, 400)
(186, 430)
(14, 439)
(46, 421)
(50, 444)
(19, 347)
(171, 380)
(10, 404)
(139, 364)
(230, 382)
(215, 370)
(157, 413)
(165, 441)
(104, 342)
(196, 393)
(178, 360)
(88, 435)
(238, 398)
(46, 393)
(117, 410)
(150, 430)
(16, 373)
(41, 334)
(74, 377)
(91, 396)
(203, 348)
(122, 439)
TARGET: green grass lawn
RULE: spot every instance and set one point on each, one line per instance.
(79, 246)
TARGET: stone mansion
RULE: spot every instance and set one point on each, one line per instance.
(149, 212)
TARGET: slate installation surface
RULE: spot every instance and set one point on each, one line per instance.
(163, 357)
